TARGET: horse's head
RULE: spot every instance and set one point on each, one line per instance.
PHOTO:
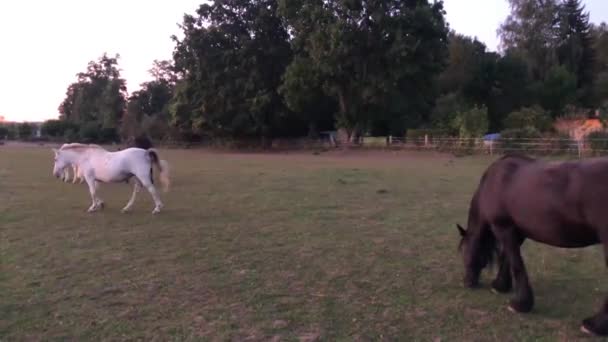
(61, 162)
(478, 248)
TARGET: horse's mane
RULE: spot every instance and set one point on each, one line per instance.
(79, 146)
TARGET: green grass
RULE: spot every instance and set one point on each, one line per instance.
(339, 247)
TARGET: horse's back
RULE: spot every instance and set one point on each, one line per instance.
(555, 202)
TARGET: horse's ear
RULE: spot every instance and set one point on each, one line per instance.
(461, 230)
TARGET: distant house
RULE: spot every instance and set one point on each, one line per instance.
(37, 129)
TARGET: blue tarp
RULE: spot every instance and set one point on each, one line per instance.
(490, 137)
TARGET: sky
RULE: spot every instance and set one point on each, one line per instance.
(44, 44)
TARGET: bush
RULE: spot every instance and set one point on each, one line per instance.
(25, 131)
(529, 117)
(445, 111)
(57, 128)
(562, 143)
(472, 123)
(71, 135)
(89, 132)
(519, 139)
(10, 131)
(416, 136)
(155, 127)
(598, 142)
(4, 131)
(108, 135)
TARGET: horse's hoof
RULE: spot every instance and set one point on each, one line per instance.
(518, 307)
(156, 211)
(595, 326)
(498, 288)
(586, 331)
(125, 210)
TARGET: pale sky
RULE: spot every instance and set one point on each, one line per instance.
(44, 43)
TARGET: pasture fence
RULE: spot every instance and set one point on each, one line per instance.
(456, 145)
(589, 146)
(536, 146)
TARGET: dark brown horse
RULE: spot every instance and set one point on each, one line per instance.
(562, 204)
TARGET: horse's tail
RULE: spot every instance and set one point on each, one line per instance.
(163, 168)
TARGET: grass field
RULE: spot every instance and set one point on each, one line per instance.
(340, 246)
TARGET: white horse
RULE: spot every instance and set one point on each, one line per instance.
(99, 165)
(78, 176)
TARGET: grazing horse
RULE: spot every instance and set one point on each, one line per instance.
(561, 204)
(98, 165)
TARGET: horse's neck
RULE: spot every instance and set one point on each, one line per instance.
(79, 156)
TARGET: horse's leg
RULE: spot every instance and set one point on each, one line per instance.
(136, 188)
(158, 204)
(100, 203)
(92, 191)
(75, 172)
(503, 282)
(147, 183)
(598, 324)
(524, 297)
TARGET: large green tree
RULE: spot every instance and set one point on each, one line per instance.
(97, 99)
(377, 59)
(532, 31)
(477, 77)
(600, 45)
(575, 50)
(232, 58)
(148, 108)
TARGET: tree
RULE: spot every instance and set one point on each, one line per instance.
(232, 57)
(575, 50)
(97, 98)
(466, 55)
(531, 31)
(557, 91)
(372, 56)
(600, 46)
(475, 76)
(510, 90)
(148, 108)
(302, 89)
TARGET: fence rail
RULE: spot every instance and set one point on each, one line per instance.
(548, 145)
(539, 146)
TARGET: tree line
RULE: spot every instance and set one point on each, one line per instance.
(267, 69)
